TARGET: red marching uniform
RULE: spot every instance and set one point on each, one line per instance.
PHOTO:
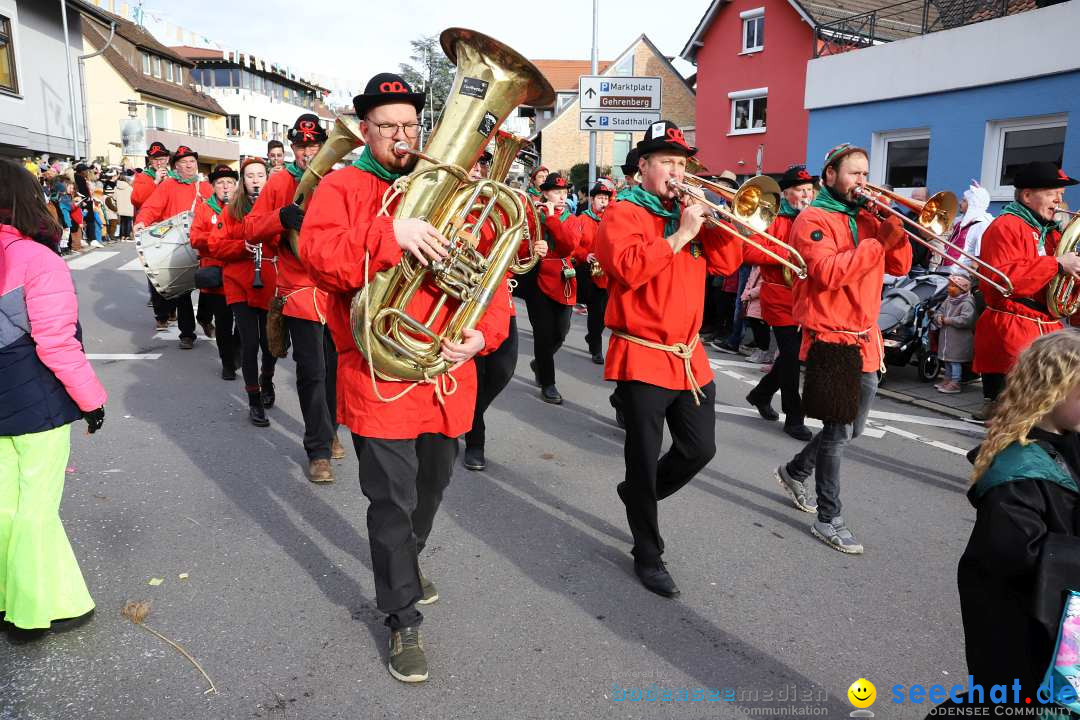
(342, 231)
(207, 217)
(142, 187)
(303, 299)
(170, 198)
(776, 295)
(587, 229)
(1010, 324)
(227, 243)
(562, 241)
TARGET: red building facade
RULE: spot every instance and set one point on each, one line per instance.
(751, 60)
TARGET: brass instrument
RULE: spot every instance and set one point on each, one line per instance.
(1063, 293)
(753, 207)
(936, 217)
(507, 147)
(396, 345)
(344, 137)
(594, 268)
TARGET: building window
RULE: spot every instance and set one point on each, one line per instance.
(157, 117)
(178, 74)
(232, 125)
(221, 77)
(900, 158)
(196, 125)
(564, 99)
(155, 62)
(620, 146)
(753, 34)
(625, 67)
(145, 63)
(1011, 143)
(8, 79)
(168, 71)
(748, 111)
(251, 126)
(275, 135)
(265, 129)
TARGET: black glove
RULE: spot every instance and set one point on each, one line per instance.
(94, 419)
(291, 216)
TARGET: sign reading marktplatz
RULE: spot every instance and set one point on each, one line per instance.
(618, 103)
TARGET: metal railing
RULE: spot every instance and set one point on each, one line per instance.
(908, 18)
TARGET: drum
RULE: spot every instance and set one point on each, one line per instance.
(167, 256)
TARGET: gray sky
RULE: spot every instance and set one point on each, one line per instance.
(354, 40)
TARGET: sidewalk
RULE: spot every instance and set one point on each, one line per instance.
(903, 384)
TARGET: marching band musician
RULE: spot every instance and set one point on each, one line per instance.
(630, 170)
(847, 252)
(655, 253)
(405, 434)
(1022, 243)
(212, 303)
(142, 187)
(537, 178)
(592, 290)
(304, 308)
(175, 194)
(797, 188)
(550, 301)
(248, 303)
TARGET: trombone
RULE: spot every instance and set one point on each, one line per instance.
(935, 218)
(753, 206)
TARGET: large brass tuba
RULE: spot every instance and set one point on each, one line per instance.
(491, 81)
(1063, 293)
(507, 147)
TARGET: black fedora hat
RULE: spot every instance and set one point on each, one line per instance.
(1040, 175)
(182, 151)
(555, 181)
(665, 136)
(223, 171)
(386, 88)
(630, 164)
(602, 186)
(307, 130)
(796, 175)
(157, 149)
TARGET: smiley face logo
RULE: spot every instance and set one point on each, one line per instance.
(862, 693)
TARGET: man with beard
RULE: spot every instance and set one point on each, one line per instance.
(304, 305)
(847, 251)
(405, 433)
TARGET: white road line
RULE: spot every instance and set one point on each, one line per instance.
(716, 364)
(123, 356)
(810, 422)
(924, 420)
(732, 374)
(926, 441)
(90, 259)
(132, 265)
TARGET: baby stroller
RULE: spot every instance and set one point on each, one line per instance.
(907, 307)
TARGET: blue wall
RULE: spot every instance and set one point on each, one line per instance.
(957, 122)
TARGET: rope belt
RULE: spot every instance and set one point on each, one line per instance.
(1039, 321)
(683, 351)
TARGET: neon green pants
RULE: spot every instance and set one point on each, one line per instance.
(40, 580)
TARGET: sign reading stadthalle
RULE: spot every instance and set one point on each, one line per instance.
(616, 92)
(618, 120)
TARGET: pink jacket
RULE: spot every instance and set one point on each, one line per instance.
(751, 296)
(38, 302)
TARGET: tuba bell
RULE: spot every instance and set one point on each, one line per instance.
(1063, 293)
(507, 148)
(491, 80)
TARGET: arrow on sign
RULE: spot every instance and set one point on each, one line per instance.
(589, 121)
(590, 92)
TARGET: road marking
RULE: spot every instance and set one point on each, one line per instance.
(924, 420)
(132, 265)
(717, 364)
(123, 356)
(926, 441)
(810, 422)
(90, 259)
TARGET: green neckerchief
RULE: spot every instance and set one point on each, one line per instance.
(212, 201)
(151, 174)
(643, 198)
(621, 195)
(296, 172)
(368, 163)
(533, 191)
(176, 176)
(826, 201)
(591, 214)
(786, 210)
(565, 214)
(1022, 212)
(1021, 462)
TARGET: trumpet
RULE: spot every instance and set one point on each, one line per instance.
(935, 218)
(594, 268)
(753, 207)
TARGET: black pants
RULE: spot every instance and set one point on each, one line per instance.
(693, 443)
(226, 333)
(251, 325)
(493, 373)
(316, 384)
(595, 299)
(185, 313)
(784, 375)
(993, 384)
(760, 331)
(125, 226)
(709, 319)
(404, 482)
(550, 322)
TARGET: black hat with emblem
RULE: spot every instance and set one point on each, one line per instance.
(386, 88)
(182, 151)
(223, 171)
(630, 164)
(157, 149)
(796, 175)
(555, 181)
(665, 136)
(1041, 175)
(307, 131)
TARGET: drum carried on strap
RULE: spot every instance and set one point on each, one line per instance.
(166, 253)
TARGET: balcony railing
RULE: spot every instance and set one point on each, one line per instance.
(909, 19)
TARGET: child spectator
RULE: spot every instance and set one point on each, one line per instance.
(956, 341)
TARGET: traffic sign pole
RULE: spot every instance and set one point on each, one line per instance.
(595, 69)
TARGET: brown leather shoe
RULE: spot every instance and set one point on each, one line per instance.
(319, 471)
(337, 450)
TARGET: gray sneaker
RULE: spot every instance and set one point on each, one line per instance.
(428, 589)
(836, 535)
(407, 660)
(796, 489)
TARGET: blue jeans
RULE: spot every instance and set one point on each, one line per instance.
(735, 339)
(954, 371)
(822, 455)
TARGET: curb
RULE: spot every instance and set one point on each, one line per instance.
(925, 404)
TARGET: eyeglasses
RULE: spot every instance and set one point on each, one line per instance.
(389, 130)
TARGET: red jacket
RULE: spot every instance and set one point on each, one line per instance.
(842, 292)
(1008, 326)
(142, 187)
(775, 292)
(657, 295)
(342, 226)
(587, 228)
(206, 218)
(262, 224)
(561, 239)
(226, 242)
(171, 197)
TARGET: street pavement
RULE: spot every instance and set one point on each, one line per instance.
(266, 579)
